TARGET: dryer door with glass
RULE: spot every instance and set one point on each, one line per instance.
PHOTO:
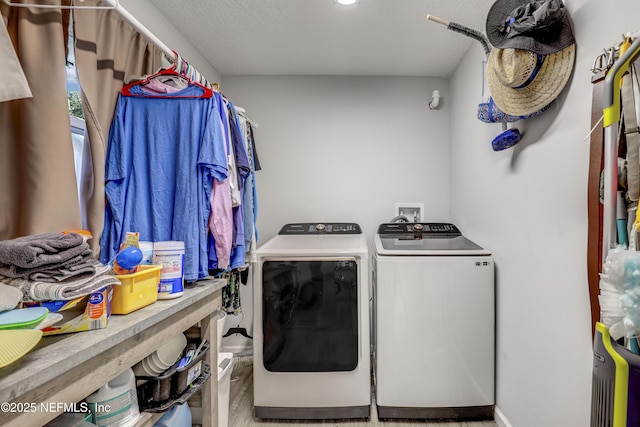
(310, 314)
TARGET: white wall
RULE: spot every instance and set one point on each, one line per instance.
(529, 206)
(346, 148)
(151, 18)
(342, 149)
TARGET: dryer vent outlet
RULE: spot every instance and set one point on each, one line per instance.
(412, 210)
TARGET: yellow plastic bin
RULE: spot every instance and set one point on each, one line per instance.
(137, 290)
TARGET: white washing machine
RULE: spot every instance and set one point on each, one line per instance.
(311, 354)
(434, 323)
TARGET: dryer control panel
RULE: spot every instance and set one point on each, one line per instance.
(320, 228)
(425, 228)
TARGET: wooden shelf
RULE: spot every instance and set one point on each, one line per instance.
(67, 368)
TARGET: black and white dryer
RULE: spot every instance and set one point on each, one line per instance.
(311, 355)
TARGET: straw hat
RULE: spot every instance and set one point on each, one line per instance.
(542, 26)
(522, 82)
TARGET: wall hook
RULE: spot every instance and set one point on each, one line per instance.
(435, 100)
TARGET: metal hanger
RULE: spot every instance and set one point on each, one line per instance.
(238, 330)
(604, 61)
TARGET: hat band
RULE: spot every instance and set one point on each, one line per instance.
(534, 73)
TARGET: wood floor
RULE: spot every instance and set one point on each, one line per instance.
(241, 408)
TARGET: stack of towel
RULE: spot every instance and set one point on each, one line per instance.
(52, 266)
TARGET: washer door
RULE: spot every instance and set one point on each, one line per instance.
(310, 315)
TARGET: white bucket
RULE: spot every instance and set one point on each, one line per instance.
(115, 404)
(222, 316)
(170, 255)
(225, 367)
(147, 252)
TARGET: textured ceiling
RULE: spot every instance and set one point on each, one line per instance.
(319, 37)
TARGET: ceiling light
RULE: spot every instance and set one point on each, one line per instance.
(347, 2)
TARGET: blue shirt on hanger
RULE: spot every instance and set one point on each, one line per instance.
(162, 156)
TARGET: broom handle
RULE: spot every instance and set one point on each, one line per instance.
(438, 20)
(466, 31)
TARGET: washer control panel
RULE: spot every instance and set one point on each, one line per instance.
(320, 228)
(425, 228)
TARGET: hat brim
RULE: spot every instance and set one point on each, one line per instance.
(499, 12)
(545, 87)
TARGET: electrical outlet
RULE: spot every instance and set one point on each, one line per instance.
(412, 210)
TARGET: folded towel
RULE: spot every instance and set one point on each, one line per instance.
(53, 272)
(66, 290)
(79, 271)
(41, 249)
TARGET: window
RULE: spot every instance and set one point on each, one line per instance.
(76, 113)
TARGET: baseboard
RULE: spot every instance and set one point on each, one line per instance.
(500, 419)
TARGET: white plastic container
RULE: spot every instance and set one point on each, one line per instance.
(170, 255)
(147, 252)
(225, 367)
(115, 404)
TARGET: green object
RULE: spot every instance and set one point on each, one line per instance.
(22, 318)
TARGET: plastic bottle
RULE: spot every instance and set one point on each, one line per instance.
(115, 404)
(147, 252)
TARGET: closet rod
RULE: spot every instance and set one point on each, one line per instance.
(116, 7)
(124, 14)
(145, 32)
(110, 5)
